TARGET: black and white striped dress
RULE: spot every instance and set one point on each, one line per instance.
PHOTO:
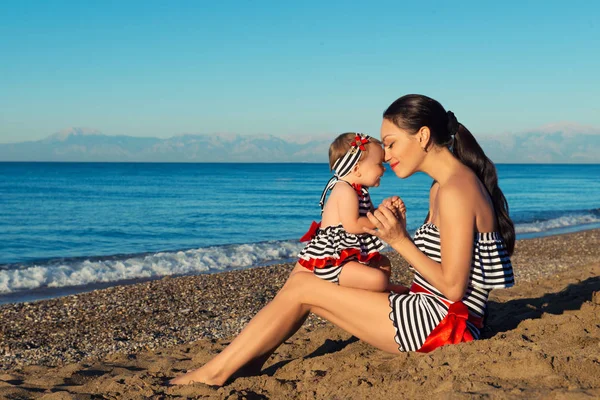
(332, 246)
(415, 315)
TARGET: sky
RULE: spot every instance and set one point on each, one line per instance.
(165, 68)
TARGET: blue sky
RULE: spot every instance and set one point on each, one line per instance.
(292, 68)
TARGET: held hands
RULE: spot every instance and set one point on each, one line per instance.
(396, 206)
(390, 221)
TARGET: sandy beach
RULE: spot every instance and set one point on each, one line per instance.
(542, 340)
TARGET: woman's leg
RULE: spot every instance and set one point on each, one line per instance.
(226, 363)
(361, 313)
(254, 366)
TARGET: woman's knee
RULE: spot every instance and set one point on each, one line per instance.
(296, 284)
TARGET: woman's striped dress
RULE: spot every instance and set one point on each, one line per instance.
(415, 315)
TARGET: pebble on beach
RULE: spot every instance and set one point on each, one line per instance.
(176, 310)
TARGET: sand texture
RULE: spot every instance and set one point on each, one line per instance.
(542, 339)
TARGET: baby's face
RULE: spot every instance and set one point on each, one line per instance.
(371, 167)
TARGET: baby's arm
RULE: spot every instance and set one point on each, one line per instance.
(347, 205)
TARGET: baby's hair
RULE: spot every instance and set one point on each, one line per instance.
(342, 143)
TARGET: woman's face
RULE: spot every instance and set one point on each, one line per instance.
(403, 152)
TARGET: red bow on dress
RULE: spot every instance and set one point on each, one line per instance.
(360, 142)
(358, 188)
(453, 328)
(312, 232)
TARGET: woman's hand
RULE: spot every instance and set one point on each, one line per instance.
(390, 221)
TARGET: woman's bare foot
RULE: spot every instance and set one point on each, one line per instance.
(197, 376)
(252, 368)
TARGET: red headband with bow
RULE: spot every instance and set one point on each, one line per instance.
(360, 142)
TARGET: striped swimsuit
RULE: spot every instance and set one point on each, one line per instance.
(332, 246)
(416, 314)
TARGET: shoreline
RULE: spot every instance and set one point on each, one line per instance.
(144, 333)
(49, 293)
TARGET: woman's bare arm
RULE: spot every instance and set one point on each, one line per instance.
(456, 234)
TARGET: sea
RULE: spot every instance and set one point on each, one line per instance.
(67, 228)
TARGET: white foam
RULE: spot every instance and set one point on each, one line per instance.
(60, 273)
(555, 223)
(84, 271)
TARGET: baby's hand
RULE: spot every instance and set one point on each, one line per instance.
(398, 208)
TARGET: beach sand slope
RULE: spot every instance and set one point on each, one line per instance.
(542, 342)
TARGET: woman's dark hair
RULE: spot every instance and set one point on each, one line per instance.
(414, 111)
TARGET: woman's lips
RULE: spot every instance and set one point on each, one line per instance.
(393, 165)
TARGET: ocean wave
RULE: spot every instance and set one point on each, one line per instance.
(74, 272)
(84, 271)
(557, 221)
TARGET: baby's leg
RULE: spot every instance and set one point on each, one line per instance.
(384, 264)
(360, 276)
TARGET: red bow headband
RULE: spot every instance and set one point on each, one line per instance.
(360, 141)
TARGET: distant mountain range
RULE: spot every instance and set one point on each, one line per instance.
(560, 143)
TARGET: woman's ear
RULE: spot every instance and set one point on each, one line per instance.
(424, 137)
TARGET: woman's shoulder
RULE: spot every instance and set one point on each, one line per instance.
(464, 184)
(465, 196)
(457, 187)
(459, 194)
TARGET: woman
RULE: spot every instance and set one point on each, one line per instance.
(468, 223)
